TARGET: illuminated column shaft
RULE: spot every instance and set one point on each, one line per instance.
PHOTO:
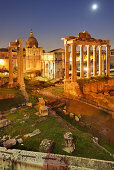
(18, 65)
(100, 60)
(20, 58)
(73, 55)
(103, 65)
(88, 62)
(67, 62)
(10, 67)
(94, 61)
(81, 62)
(108, 60)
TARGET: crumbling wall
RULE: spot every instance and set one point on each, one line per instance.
(21, 160)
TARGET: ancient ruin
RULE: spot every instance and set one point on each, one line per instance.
(84, 39)
(68, 144)
(20, 75)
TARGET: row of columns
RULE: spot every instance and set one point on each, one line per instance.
(46, 70)
(20, 74)
(73, 55)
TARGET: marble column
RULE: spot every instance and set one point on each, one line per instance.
(67, 64)
(108, 60)
(81, 62)
(94, 61)
(103, 64)
(18, 66)
(10, 67)
(21, 74)
(88, 62)
(100, 60)
(73, 55)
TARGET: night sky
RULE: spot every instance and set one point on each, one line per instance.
(52, 19)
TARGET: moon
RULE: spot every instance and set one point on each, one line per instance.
(94, 7)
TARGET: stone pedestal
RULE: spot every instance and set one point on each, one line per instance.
(68, 144)
(72, 89)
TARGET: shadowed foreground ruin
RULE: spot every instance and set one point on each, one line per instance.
(20, 159)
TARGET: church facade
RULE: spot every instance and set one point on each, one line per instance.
(38, 62)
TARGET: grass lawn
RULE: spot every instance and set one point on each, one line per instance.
(52, 129)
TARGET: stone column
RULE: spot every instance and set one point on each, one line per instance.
(21, 78)
(103, 64)
(100, 60)
(88, 62)
(108, 60)
(18, 66)
(44, 68)
(81, 62)
(10, 67)
(67, 64)
(73, 55)
(94, 61)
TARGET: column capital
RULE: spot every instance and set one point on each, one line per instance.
(94, 46)
(81, 45)
(66, 45)
(88, 46)
(108, 45)
(100, 46)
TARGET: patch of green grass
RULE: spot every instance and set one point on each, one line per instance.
(106, 146)
(61, 90)
(58, 91)
(51, 129)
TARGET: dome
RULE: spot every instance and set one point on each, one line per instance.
(31, 41)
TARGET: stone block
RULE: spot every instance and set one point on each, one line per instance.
(13, 110)
(77, 118)
(4, 122)
(43, 111)
(71, 115)
(9, 143)
(34, 133)
(46, 146)
(29, 104)
(20, 140)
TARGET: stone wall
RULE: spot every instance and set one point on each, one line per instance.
(100, 93)
(99, 86)
(20, 160)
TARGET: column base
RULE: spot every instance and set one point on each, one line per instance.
(72, 89)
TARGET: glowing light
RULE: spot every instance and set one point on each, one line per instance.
(94, 7)
(85, 69)
(2, 62)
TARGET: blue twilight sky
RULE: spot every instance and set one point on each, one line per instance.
(52, 19)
